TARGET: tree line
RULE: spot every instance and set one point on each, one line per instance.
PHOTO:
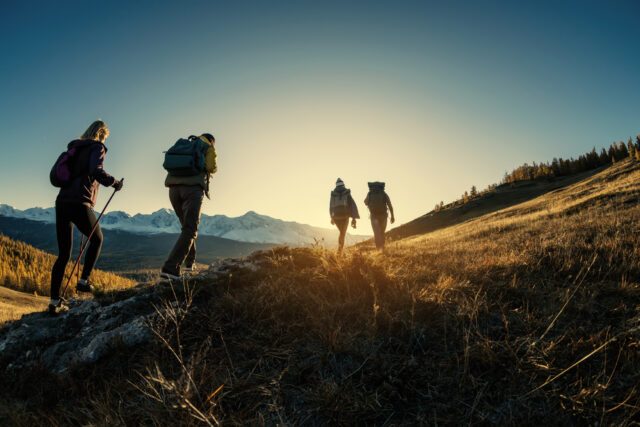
(564, 167)
(558, 167)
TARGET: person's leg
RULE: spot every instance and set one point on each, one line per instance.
(191, 205)
(342, 224)
(64, 233)
(383, 229)
(85, 219)
(375, 225)
(191, 256)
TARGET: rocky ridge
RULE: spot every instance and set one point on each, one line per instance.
(95, 328)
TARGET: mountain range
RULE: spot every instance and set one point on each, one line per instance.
(250, 227)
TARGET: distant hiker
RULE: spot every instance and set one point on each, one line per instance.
(189, 164)
(79, 172)
(378, 202)
(341, 208)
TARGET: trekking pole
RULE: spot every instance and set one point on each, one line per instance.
(93, 229)
(83, 243)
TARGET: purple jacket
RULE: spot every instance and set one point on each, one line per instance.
(89, 172)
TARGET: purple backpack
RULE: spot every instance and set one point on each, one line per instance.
(61, 173)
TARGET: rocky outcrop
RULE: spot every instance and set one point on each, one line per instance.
(93, 329)
(85, 334)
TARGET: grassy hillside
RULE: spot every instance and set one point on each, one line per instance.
(14, 304)
(524, 316)
(500, 197)
(27, 269)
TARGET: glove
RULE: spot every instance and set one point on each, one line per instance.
(393, 220)
(118, 185)
(353, 223)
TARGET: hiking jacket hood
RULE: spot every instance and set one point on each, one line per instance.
(88, 169)
(352, 203)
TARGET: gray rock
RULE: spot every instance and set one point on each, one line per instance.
(84, 335)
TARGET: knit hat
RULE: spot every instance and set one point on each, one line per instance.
(339, 183)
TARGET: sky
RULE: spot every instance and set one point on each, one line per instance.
(429, 97)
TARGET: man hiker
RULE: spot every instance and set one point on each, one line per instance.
(341, 208)
(378, 202)
(74, 205)
(189, 164)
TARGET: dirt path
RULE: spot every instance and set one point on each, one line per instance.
(14, 304)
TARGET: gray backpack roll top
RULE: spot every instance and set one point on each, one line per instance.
(377, 198)
(376, 186)
(340, 204)
(186, 157)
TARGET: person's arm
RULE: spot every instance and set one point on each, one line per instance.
(210, 160)
(96, 166)
(354, 211)
(354, 208)
(331, 211)
(390, 206)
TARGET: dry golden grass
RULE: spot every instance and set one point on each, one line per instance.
(14, 304)
(525, 316)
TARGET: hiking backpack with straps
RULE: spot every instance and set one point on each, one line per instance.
(377, 198)
(186, 157)
(340, 204)
(64, 169)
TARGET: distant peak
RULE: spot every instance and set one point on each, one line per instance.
(163, 211)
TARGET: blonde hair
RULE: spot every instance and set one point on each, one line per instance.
(97, 131)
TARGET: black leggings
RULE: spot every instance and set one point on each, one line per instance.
(68, 214)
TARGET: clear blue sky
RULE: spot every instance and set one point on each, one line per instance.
(431, 97)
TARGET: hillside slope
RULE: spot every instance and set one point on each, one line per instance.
(27, 269)
(524, 316)
(501, 197)
(127, 251)
(14, 304)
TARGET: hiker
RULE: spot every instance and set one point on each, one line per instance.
(189, 164)
(378, 202)
(74, 205)
(341, 208)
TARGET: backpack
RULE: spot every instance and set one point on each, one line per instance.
(339, 204)
(186, 157)
(64, 169)
(377, 198)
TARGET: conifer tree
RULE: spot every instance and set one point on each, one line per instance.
(474, 191)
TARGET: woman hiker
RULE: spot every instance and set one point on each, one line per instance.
(341, 208)
(74, 206)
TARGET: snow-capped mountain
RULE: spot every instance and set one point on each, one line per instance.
(250, 227)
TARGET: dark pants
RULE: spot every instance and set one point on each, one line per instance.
(343, 225)
(186, 202)
(379, 225)
(68, 214)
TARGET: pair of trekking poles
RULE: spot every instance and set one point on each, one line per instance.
(85, 243)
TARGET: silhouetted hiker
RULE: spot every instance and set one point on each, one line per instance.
(341, 208)
(74, 205)
(378, 202)
(189, 164)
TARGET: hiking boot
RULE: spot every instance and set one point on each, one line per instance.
(85, 286)
(57, 307)
(165, 273)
